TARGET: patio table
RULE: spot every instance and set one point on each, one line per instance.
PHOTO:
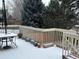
(6, 38)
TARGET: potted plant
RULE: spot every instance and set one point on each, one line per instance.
(20, 35)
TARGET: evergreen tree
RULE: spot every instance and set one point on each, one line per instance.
(60, 14)
(32, 13)
(78, 3)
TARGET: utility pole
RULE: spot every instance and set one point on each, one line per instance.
(4, 16)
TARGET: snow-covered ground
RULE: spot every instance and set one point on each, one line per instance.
(25, 50)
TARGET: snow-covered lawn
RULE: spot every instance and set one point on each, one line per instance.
(25, 50)
(16, 31)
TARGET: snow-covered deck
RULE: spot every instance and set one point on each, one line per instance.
(25, 50)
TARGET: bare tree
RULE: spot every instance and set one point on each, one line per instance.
(14, 8)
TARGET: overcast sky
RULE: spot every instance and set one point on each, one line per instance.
(44, 1)
(0, 3)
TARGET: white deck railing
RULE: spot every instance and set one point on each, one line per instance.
(70, 42)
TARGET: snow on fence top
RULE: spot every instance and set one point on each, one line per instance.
(48, 30)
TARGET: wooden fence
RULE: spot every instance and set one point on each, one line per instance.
(43, 36)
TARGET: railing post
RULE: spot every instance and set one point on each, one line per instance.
(72, 40)
(78, 43)
(75, 43)
(63, 44)
(41, 40)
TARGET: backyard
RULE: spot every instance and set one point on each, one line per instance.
(39, 29)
